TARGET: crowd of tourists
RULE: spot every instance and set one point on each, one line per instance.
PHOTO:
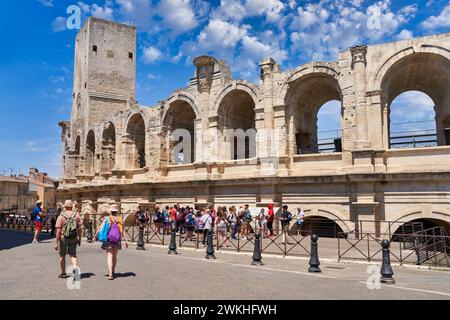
(230, 224)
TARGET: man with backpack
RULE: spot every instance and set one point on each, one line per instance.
(68, 235)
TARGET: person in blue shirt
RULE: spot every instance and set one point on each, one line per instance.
(37, 217)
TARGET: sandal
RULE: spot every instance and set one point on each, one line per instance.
(62, 276)
(110, 278)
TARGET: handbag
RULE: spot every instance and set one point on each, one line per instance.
(103, 234)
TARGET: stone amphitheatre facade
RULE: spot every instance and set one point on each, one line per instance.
(117, 151)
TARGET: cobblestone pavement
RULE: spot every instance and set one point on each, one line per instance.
(29, 271)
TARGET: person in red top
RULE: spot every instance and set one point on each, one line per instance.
(270, 219)
(173, 215)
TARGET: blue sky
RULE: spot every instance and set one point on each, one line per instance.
(36, 60)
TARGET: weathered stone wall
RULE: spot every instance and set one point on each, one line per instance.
(367, 181)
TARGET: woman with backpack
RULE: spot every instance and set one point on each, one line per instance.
(222, 225)
(111, 234)
(157, 220)
(190, 224)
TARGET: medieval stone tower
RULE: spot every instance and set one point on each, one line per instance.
(104, 84)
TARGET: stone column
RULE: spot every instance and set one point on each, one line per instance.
(359, 69)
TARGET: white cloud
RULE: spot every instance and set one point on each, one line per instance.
(178, 15)
(47, 3)
(404, 35)
(435, 22)
(103, 12)
(230, 9)
(59, 24)
(151, 55)
(221, 34)
(320, 30)
(412, 106)
(272, 9)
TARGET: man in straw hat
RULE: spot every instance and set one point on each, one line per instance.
(68, 235)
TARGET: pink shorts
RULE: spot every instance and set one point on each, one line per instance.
(38, 225)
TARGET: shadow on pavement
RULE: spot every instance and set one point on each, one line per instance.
(12, 238)
(87, 275)
(125, 275)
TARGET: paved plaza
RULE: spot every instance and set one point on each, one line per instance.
(30, 272)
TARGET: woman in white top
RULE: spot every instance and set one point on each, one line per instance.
(262, 221)
(300, 220)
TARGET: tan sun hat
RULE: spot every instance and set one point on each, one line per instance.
(68, 204)
(114, 208)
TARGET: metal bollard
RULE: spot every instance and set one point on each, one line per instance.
(89, 234)
(141, 244)
(257, 251)
(173, 243)
(314, 262)
(209, 246)
(386, 269)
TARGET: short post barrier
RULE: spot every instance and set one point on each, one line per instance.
(140, 243)
(209, 246)
(314, 262)
(89, 234)
(257, 259)
(386, 269)
(173, 242)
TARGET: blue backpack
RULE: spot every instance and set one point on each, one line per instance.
(103, 234)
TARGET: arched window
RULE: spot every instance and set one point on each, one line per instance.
(237, 125)
(425, 72)
(90, 154)
(108, 148)
(304, 99)
(179, 128)
(136, 145)
(412, 122)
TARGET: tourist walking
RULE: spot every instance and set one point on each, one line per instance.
(111, 234)
(300, 220)
(68, 235)
(262, 222)
(199, 226)
(285, 219)
(190, 224)
(207, 224)
(270, 219)
(222, 226)
(232, 221)
(37, 216)
(246, 220)
(166, 220)
(157, 220)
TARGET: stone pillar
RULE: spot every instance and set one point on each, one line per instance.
(280, 122)
(359, 69)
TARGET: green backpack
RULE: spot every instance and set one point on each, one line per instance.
(70, 230)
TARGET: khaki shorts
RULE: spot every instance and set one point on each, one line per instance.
(68, 246)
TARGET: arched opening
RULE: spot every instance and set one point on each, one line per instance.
(321, 226)
(237, 125)
(179, 128)
(329, 127)
(136, 143)
(412, 123)
(90, 154)
(108, 148)
(421, 226)
(305, 98)
(430, 74)
(76, 160)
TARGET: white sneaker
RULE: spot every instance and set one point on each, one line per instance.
(244, 238)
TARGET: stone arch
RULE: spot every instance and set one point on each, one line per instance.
(308, 90)
(416, 214)
(425, 68)
(242, 85)
(330, 69)
(179, 116)
(135, 141)
(237, 123)
(336, 216)
(181, 96)
(108, 145)
(89, 166)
